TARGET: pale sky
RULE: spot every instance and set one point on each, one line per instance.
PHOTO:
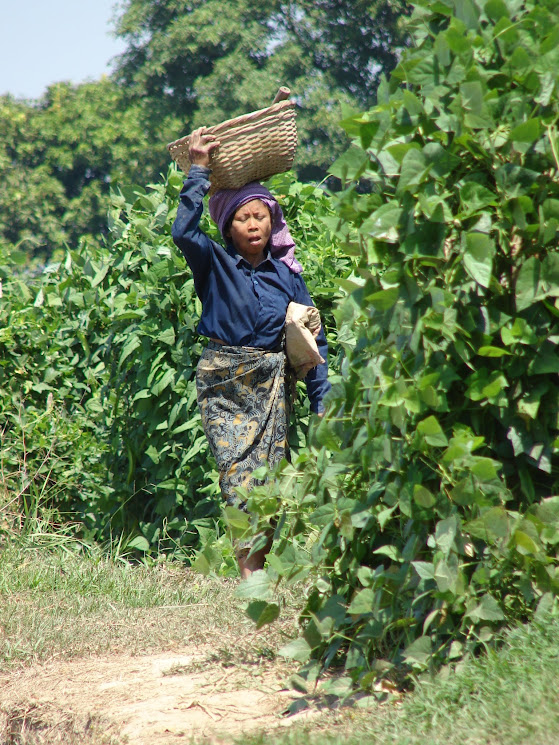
(49, 41)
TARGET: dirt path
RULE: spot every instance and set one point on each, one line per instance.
(147, 700)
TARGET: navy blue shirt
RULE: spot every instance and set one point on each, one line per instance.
(242, 305)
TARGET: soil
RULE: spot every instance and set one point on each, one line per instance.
(157, 699)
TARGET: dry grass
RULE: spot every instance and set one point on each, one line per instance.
(66, 612)
(62, 606)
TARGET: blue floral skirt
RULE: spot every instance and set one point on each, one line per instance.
(242, 396)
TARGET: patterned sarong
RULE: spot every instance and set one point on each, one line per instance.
(244, 408)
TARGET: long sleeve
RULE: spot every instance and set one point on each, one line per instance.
(187, 235)
(317, 378)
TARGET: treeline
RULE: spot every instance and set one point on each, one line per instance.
(185, 65)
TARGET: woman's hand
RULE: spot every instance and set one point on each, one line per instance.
(201, 146)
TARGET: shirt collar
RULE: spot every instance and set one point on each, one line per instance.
(239, 259)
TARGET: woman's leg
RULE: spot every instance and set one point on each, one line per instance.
(254, 562)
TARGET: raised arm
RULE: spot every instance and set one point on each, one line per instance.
(187, 235)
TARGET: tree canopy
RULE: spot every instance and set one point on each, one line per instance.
(186, 64)
(58, 159)
(204, 61)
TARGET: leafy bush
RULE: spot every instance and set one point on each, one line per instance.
(427, 516)
(98, 403)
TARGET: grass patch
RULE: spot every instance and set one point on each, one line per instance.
(64, 604)
(63, 600)
(507, 697)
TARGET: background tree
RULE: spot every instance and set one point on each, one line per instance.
(58, 159)
(207, 60)
(186, 64)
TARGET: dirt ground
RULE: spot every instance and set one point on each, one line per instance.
(146, 700)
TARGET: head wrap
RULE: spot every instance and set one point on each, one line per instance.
(224, 203)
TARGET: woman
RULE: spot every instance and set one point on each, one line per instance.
(245, 289)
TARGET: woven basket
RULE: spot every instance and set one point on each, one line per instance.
(253, 147)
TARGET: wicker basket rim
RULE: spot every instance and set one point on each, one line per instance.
(243, 120)
(228, 138)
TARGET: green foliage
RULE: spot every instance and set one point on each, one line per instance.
(98, 413)
(107, 338)
(183, 68)
(58, 158)
(428, 516)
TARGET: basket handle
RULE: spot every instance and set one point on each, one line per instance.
(282, 94)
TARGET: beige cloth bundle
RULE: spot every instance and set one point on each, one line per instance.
(302, 326)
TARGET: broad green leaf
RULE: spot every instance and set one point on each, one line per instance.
(100, 276)
(413, 171)
(527, 283)
(298, 650)
(546, 606)
(131, 345)
(262, 612)
(519, 333)
(475, 197)
(139, 542)
(525, 135)
(418, 653)
(496, 9)
(237, 521)
(340, 687)
(425, 569)
(163, 382)
(363, 602)
(384, 516)
(478, 257)
(445, 533)
(350, 165)
(366, 576)
(168, 336)
(432, 432)
(484, 385)
(383, 223)
(389, 551)
(153, 453)
(485, 469)
(440, 159)
(384, 299)
(201, 565)
(423, 497)
(525, 544)
(446, 576)
(487, 610)
(258, 586)
(323, 514)
(544, 363)
(494, 524)
(489, 351)
(326, 436)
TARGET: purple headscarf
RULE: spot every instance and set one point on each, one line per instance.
(225, 202)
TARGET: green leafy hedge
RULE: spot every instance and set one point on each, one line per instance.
(428, 515)
(98, 414)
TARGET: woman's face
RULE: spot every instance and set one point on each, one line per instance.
(250, 230)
